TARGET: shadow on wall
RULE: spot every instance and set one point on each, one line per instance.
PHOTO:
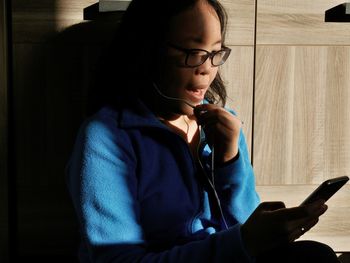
(50, 102)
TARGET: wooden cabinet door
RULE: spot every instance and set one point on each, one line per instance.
(302, 109)
(54, 54)
(238, 71)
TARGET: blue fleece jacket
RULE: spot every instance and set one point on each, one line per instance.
(138, 195)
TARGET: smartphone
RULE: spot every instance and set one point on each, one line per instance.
(326, 189)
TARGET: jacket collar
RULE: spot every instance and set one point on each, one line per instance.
(135, 114)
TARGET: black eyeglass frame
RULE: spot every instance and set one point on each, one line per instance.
(209, 54)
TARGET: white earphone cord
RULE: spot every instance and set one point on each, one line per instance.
(212, 170)
(212, 181)
(172, 98)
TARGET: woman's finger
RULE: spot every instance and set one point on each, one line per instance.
(271, 206)
(206, 107)
(222, 116)
(302, 229)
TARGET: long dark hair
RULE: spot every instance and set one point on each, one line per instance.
(127, 64)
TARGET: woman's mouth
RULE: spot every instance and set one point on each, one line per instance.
(196, 94)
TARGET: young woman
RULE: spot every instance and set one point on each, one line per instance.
(161, 172)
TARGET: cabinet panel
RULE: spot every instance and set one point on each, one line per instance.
(301, 112)
(4, 215)
(237, 73)
(54, 59)
(50, 93)
(43, 207)
(302, 120)
(35, 21)
(299, 22)
(241, 21)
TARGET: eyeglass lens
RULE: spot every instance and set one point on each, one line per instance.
(197, 58)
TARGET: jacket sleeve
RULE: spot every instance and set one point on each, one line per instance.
(103, 187)
(235, 186)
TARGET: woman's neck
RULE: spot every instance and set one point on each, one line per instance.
(183, 125)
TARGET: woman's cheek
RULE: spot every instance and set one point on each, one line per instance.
(213, 74)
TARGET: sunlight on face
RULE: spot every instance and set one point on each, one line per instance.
(195, 28)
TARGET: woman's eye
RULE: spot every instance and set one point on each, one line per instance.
(198, 53)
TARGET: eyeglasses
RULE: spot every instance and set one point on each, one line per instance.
(197, 57)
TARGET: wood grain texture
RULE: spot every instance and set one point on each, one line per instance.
(35, 21)
(237, 73)
(302, 117)
(299, 22)
(46, 223)
(51, 79)
(333, 228)
(50, 85)
(241, 22)
(4, 217)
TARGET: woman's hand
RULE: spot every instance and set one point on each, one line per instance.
(221, 129)
(272, 224)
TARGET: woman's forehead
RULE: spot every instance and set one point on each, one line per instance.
(199, 23)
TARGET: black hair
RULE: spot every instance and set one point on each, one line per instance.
(133, 51)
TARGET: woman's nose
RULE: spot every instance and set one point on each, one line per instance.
(205, 67)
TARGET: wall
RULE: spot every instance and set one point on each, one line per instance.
(54, 53)
(238, 71)
(302, 108)
(287, 79)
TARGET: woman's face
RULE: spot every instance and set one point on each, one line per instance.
(196, 28)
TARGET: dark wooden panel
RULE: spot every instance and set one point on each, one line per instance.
(47, 224)
(38, 20)
(4, 235)
(51, 80)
